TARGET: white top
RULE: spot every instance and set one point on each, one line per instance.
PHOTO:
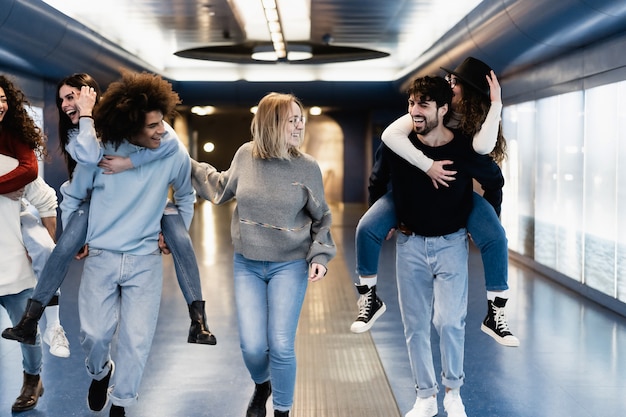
(17, 273)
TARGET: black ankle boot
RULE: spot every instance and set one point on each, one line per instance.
(256, 407)
(32, 389)
(199, 331)
(26, 330)
(281, 413)
(117, 411)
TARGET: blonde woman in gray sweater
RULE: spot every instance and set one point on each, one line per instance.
(281, 235)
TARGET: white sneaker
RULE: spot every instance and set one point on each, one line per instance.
(453, 404)
(424, 407)
(55, 338)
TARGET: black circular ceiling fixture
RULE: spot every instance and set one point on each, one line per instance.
(242, 53)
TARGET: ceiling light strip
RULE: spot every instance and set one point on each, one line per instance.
(272, 17)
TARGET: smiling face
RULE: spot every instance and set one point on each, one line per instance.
(425, 114)
(294, 128)
(150, 136)
(4, 104)
(67, 98)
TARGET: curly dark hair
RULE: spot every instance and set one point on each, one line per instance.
(18, 121)
(77, 81)
(121, 113)
(434, 89)
(473, 108)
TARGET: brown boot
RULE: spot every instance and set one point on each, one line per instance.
(32, 389)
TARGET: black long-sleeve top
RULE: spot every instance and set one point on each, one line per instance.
(430, 211)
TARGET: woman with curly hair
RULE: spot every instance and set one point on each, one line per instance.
(20, 138)
(476, 108)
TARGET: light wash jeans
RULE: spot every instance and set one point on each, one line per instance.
(432, 284)
(483, 225)
(73, 238)
(123, 292)
(177, 238)
(15, 304)
(269, 297)
(56, 267)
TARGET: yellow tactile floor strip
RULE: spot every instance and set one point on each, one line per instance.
(339, 373)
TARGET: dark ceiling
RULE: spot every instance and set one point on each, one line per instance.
(510, 35)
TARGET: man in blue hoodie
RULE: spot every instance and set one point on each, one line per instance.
(121, 285)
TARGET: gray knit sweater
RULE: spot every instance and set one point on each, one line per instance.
(281, 213)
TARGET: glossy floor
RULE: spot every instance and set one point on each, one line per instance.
(571, 361)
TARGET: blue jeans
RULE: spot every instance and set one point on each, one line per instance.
(58, 263)
(432, 284)
(123, 292)
(269, 297)
(489, 236)
(15, 304)
(73, 238)
(371, 232)
(184, 257)
(483, 224)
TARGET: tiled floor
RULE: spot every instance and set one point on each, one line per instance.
(571, 361)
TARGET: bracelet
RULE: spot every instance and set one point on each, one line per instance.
(80, 117)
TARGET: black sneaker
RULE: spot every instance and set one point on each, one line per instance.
(495, 324)
(117, 411)
(370, 309)
(98, 390)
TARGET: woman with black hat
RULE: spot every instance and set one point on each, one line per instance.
(476, 108)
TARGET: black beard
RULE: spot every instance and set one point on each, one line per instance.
(428, 127)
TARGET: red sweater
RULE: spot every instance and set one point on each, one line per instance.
(27, 168)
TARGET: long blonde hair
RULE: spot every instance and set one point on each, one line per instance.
(268, 127)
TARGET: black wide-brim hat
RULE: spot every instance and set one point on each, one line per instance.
(472, 72)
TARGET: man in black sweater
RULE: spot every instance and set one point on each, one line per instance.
(432, 248)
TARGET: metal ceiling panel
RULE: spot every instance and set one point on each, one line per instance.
(508, 34)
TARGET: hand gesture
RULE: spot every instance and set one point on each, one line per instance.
(316, 272)
(15, 195)
(439, 175)
(495, 92)
(86, 100)
(82, 253)
(112, 164)
(163, 246)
